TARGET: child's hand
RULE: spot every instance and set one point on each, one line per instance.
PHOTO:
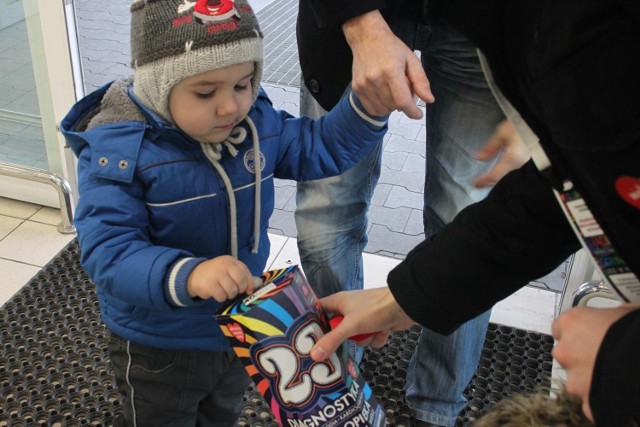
(220, 278)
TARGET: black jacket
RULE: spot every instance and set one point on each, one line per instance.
(570, 67)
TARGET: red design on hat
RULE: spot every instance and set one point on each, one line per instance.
(628, 187)
(214, 10)
(207, 11)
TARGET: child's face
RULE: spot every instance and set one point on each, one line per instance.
(208, 105)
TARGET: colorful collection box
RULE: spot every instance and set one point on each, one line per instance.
(273, 331)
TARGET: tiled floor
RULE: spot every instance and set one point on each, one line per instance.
(28, 240)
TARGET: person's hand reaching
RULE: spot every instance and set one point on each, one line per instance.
(509, 146)
(579, 333)
(372, 311)
(221, 278)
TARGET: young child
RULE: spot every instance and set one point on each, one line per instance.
(176, 168)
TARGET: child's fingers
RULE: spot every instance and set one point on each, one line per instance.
(254, 284)
(241, 276)
(219, 292)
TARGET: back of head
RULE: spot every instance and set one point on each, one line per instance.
(172, 40)
(536, 410)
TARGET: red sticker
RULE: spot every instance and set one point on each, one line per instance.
(236, 331)
(351, 367)
(628, 188)
(336, 320)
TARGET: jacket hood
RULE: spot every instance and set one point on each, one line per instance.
(109, 104)
(111, 123)
(116, 106)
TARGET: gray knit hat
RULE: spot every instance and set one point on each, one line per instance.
(172, 40)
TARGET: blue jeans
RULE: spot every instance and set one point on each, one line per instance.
(331, 215)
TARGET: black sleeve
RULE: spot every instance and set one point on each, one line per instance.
(335, 12)
(492, 248)
(615, 387)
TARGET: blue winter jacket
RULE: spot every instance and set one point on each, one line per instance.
(152, 206)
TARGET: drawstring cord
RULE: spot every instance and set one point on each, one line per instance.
(257, 170)
(213, 152)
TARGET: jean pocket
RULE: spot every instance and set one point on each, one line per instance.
(152, 362)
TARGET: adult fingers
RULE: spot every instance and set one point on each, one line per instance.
(418, 80)
(491, 148)
(329, 343)
(403, 99)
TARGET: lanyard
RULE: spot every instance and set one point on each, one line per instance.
(612, 268)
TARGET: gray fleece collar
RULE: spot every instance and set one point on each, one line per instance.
(116, 106)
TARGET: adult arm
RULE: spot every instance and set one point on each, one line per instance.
(491, 249)
(330, 13)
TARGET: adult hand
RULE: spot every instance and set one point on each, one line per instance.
(506, 143)
(369, 311)
(579, 333)
(386, 73)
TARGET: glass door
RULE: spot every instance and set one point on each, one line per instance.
(40, 78)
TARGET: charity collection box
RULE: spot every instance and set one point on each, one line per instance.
(273, 331)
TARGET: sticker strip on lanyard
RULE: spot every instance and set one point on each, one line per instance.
(611, 266)
(607, 261)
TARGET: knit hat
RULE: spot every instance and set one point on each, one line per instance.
(172, 40)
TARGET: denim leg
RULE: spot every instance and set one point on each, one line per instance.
(459, 122)
(331, 220)
(440, 370)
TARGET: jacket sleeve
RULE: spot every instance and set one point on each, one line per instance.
(313, 149)
(335, 12)
(116, 247)
(615, 384)
(491, 249)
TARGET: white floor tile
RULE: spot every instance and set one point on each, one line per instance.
(33, 243)
(287, 256)
(376, 269)
(277, 243)
(529, 308)
(8, 224)
(17, 209)
(47, 215)
(14, 276)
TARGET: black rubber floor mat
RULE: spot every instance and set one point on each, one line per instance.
(54, 368)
